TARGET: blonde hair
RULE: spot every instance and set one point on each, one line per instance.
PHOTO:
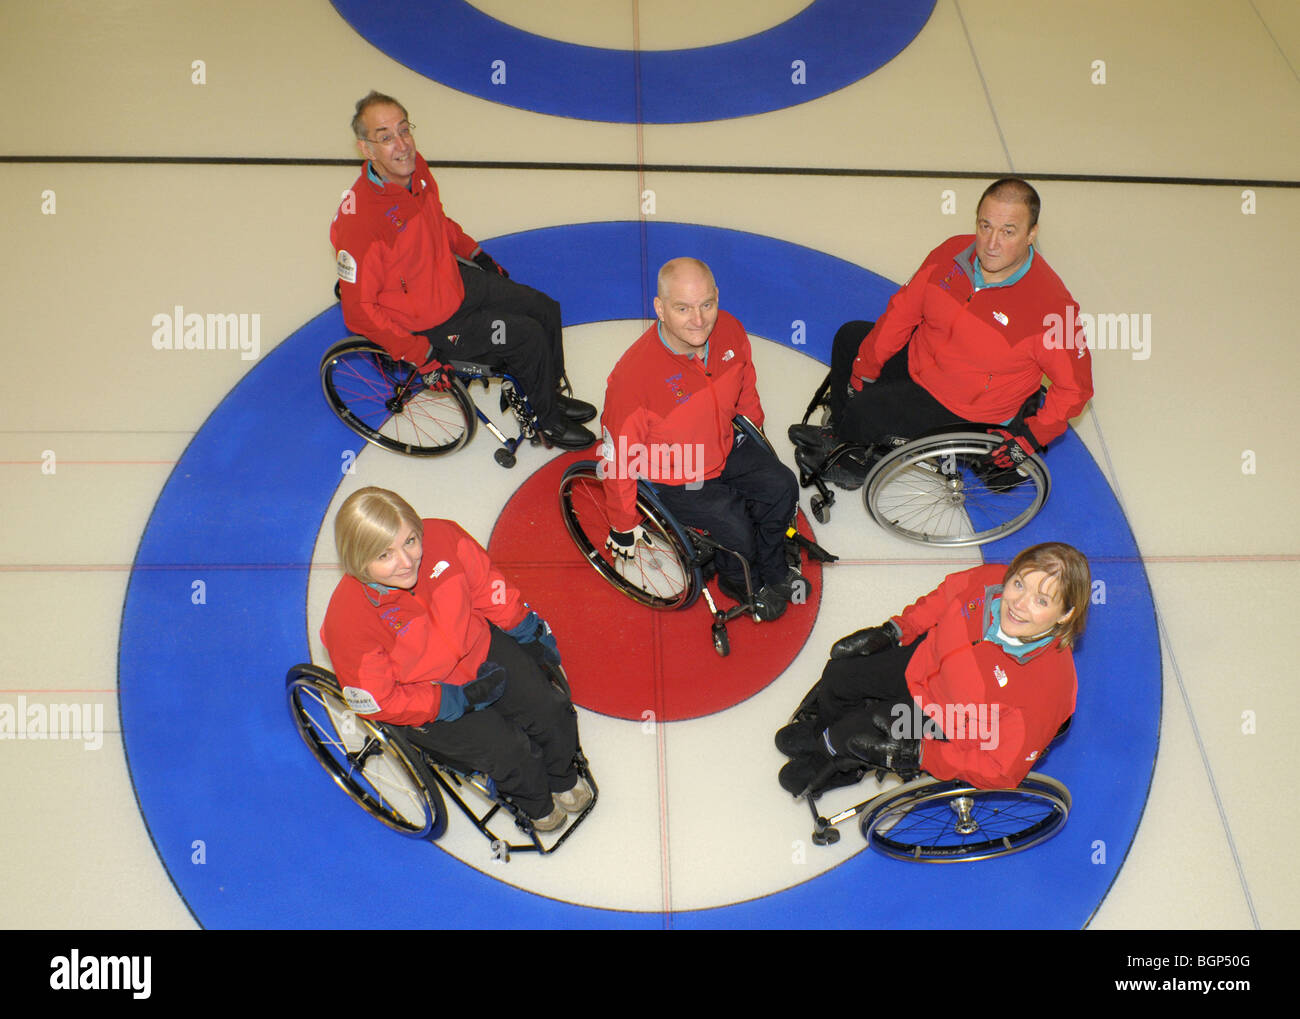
(366, 525)
(1067, 565)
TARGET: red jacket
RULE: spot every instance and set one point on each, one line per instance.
(391, 649)
(958, 676)
(668, 416)
(396, 257)
(983, 353)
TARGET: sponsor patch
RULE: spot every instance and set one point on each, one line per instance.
(1000, 317)
(360, 700)
(347, 267)
(1000, 675)
(438, 570)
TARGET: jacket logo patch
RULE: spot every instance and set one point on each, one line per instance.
(728, 355)
(1000, 317)
(953, 273)
(399, 224)
(347, 267)
(1000, 675)
(360, 701)
(674, 383)
(438, 570)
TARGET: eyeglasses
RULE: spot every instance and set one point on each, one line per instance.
(387, 140)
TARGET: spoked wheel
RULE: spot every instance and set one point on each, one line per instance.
(934, 821)
(939, 491)
(380, 771)
(661, 574)
(386, 402)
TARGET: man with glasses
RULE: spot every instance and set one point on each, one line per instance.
(414, 282)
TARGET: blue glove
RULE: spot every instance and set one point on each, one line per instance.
(534, 635)
(486, 688)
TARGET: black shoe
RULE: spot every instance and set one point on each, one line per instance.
(577, 411)
(768, 603)
(567, 435)
(800, 738)
(795, 588)
(817, 437)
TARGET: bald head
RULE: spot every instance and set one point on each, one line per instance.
(683, 269)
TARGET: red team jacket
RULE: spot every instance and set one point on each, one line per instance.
(390, 649)
(658, 403)
(396, 257)
(983, 353)
(956, 666)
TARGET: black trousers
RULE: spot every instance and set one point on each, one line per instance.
(507, 325)
(526, 741)
(746, 508)
(852, 688)
(893, 405)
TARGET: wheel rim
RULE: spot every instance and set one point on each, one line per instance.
(944, 822)
(363, 762)
(930, 492)
(661, 577)
(386, 402)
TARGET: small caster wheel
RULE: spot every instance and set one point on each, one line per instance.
(504, 457)
(821, 511)
(721, 642)
(826, 837)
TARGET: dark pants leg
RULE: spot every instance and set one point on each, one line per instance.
(511, 326)
(526, 741)
(746, 508)
(892, 406)
(852, 688)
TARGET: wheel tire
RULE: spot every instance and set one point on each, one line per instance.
(377, 768)
(387, 404)
(928, 491)
(934, 821)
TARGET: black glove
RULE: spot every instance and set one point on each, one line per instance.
(486, 262)
(878, 746)
(486, 687)
(870, 641)
(1018, 445)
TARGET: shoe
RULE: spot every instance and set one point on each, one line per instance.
(577, 411)
(768, 603)
(796, 776)
(800, 738)
(576, 799)
(552, 821)
(817, 437)
(795, 583)
(848, 472)
(568, 435)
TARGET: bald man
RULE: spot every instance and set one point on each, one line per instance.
(669, 404)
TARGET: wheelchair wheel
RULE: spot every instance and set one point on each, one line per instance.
(377, 768)
(664, 576)
(936, 491)
(934, 821)
(386, 402)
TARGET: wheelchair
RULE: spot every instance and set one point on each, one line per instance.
(937, 489)
(671, 571)
(388, 403)
(932, 820)
(403, 785)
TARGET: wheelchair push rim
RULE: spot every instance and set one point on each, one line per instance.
(386, 402)
(932, 491)
(380, 773)
(939, 821)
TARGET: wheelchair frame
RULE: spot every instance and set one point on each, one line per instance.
(668, 574)
(934, 489)
(389, 404)
(401, 784)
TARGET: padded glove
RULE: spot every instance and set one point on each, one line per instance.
(870, 641)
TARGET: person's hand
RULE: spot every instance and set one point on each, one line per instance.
(486, 262)
(534, 635)
(870, 641)
(437, 376)
(856, 382)
(623, 543)
(1016, 447)
(881, 747)
(487, 686)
